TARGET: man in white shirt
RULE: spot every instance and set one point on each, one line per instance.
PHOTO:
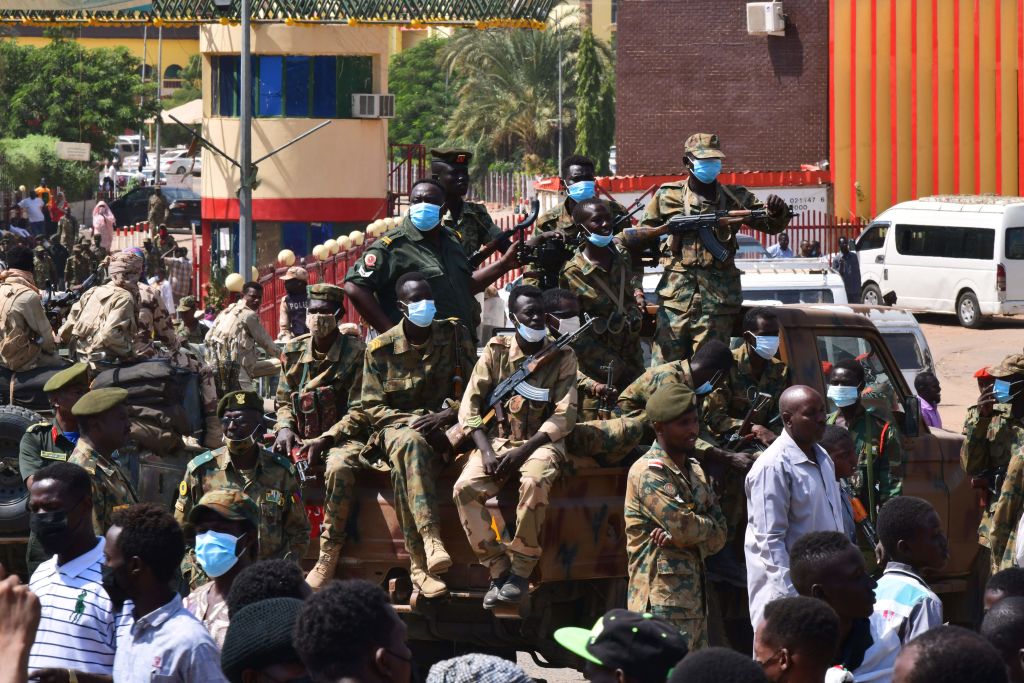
(33, 208)
(791, 490)
(781, 247)
(78, 625)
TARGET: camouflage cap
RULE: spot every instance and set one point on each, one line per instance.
(703, 146)
(1012, 365)
(231, 504)
(669, 402)
(325, 292)
(240, 400)
(76, 373)
(99, 401)
(186, 304)
(296, 273)
(454, 157)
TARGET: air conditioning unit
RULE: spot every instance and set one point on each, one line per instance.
(373, 106)
(765, 19)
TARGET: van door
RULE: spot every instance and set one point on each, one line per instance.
(1013, 265)
(870, 253)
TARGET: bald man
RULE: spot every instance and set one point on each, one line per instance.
(791, 490)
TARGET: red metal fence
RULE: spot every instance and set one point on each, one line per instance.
(814, 226)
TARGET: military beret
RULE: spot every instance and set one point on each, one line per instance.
(325, 292)
(455, 157)
(296, 273)
(1012, 365)
(186, 304)
(669, 402)
(239, 400)
(99, 401)
(704, 146)
(231, 504)
(76, 372)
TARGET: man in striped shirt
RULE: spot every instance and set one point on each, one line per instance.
(77, 627)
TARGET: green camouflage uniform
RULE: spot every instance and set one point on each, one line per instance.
(700, 297)
(615, 336)
(727, 405)
(77, 269)
(43, 268)
(42, 444)
(633, 399)
(559, 219)
(67, 231)
(196, 335)
(155, 264)
(669, 582)
(868, 430)
(475, 228)
(986, 446)
(165, 244)
(98, 253)
(604, 443)
(1006, 513)
(111, 488)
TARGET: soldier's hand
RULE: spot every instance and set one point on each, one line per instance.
(490, 462)
(286, 440)
(433, 421)
(776, 205)
(987, 402)
(738, 460)
(607, 392)
(763, 434)
(314, 449)
(661, 538)
(512, 461)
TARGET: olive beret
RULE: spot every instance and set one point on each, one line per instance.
(326, 292)
(239, 400)
(669, 402)
(76, 373)
(99, 401)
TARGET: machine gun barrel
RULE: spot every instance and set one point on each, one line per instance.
(502, 240)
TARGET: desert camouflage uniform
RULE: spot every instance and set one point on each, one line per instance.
(154, 320)
(727, 405)
(700, 297)
(555, 417)
(233, 339)
(1006, 513)
(157, 213)
(986, 446)
(475, 228)
(109, 323)
(883, 438)
(559, 219)
(43, 269)
(23, 323)
(669, 582)
(111, 488)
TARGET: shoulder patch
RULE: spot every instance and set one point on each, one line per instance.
(282, 461)
(38, 427)
(655, 464)
(386, 241)
(370, 260)
(199, 461)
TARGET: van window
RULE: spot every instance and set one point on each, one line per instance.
(880, 391)
(905, 350)
(873, 237)
(1015, 243)
(945, 242)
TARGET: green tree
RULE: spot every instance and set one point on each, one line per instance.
(35, 156)
(423, 95)
(595, 102)
(191, 84)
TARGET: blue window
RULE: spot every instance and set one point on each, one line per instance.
(325, 87)
(227, 85)
(296, 86)
(270, 86)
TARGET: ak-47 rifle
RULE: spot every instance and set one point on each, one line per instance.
(502, 240)
(760, 400)
(703, 224)
(516, 384)
(860, 515)
(605, 406)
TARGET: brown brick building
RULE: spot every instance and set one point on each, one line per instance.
(689, 66)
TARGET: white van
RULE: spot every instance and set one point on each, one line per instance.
(947, 254)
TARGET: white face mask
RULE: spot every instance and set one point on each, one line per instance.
(528, 333)
(569, 325)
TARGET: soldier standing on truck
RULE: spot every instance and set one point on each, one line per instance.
(27, 340)
(700, 296)
(291, 314)
(468, 220)
(105, 320)
(52, 440)
(186, 325)
(232, 340)
(1008, 390)
(43, 270)
(672, 519)
(580, 183)
(266, 477)
(530, 441)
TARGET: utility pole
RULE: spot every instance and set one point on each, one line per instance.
(245, 228)
(159, 102)
(142, 124)
(559, 104)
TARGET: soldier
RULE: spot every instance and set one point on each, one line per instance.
(579, 180)
(78, 267)
(154, 259)
(611, 291)
(531, 441)
(67, 231)
(27, 340)
(52, 440)
(164, 242)
(879, 452)
(97, 249)
(266, 477)
(186, 325)
(103, 428)
(757, 370)
(291, 314)
(700, 296)
(672, 519)
(235, 334)
(105, 319)
(1008, 390)
(420, 244)
(470, 221)
(157, 210)
(42, 269)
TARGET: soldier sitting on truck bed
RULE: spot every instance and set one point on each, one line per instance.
(531, 441)
(26, 338)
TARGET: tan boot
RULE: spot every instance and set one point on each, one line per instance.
(427, 584)
(438, 559)
(323, 571)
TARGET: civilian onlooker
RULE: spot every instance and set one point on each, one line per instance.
(161, 641)
(267, 579)
(477, 668)
(109, 179)
(791, 490)
(806, 249)
(1008, 583)
(717, 665)
(797, 640)
(929, 391)
(1003, 627)
(625, 646)
(848, 265)
(103, 224)
(226, 524)
(78, 628)
(826, 566)
(949, 654)
(179, 274)
(781, 247)
(912, 540)
(20, 609)
(838, 443)
(359, 615)
(259, 646)
(32, 205)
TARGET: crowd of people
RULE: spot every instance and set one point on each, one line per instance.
(739, 479)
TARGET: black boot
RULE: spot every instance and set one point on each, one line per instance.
(491, 597)
(515, 589)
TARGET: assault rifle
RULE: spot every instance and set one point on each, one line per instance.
(760, 401)
(860, 515)
(516, 384)
(988, 484)
(502, 240)
(58, 304)
(703, 224)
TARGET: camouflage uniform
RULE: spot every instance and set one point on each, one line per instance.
(42, 268)
(869, 431)
(669, 582)
(97, 252)
(165, 243)
(555, 417)
(559, 219)
(233, 339)
(67, 231)
(727, 405)
(195, 335)
(105, 319)
(986, 447)
(26, 338)
(1006, 513)
(78, 267)
(615, 336)
(604, 443)
(155, 263)
(111, 488)
(633, 399)
(157, 213)
(475, 228)
(154, 320)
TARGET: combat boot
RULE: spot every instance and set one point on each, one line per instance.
(323, 571)
(214, 437)
(438, 559)
(427, 584)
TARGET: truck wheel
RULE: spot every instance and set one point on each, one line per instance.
(968, 312)
(14, 421)
(871, 295)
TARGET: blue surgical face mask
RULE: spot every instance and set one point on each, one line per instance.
(216, 552)
(843, 396)
(421, 313)
(704, 389)
(528, 333)
(71, 436)
(706, 170)
(425, 216)
(766, 347)
(1002, 392)
(599, 240)
(580, 190)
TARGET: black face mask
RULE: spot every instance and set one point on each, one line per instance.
(113, 587)
(51, 529)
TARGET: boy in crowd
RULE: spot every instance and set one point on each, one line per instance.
(1008, 583)
(797, 640)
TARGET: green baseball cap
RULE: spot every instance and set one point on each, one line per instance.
(704, 146)
(231, 504)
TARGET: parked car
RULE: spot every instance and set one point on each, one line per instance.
(750, 249)
(133, 207)
(947, 254)
(175, 162)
